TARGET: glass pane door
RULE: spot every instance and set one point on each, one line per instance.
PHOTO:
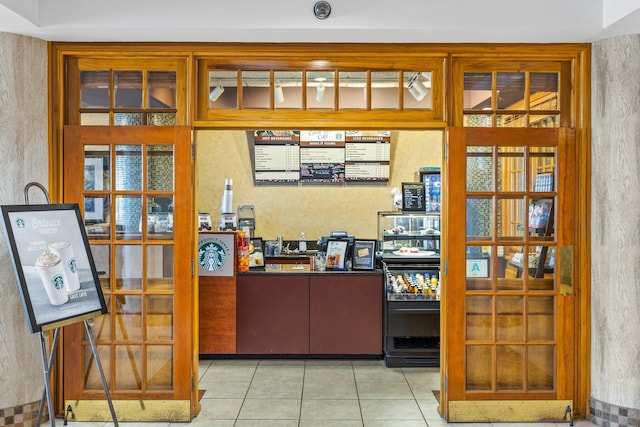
(503, 282)
(127, 187)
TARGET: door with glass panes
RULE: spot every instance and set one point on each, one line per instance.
(509, 297)
(134, 186)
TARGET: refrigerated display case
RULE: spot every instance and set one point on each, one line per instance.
(409, 235)
(410, 258)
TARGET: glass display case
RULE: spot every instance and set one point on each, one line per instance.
(411, 315)
(406, 236)
(410, 257)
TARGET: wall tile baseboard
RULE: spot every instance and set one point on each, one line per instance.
(607, 415)
(22, 415)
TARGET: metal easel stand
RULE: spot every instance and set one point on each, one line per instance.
(47, 360)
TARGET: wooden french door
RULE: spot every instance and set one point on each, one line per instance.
(134, 187)
(509, 318)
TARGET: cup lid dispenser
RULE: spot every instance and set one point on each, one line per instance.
(247, 218)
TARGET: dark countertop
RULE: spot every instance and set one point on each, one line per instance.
(290, 256)
(303, 269)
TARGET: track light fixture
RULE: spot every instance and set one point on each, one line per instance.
(278, 94)
(319, 92)
(417, 89)
(216, 93)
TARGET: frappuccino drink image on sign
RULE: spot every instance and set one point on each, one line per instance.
(53, 264)
(52, 274)
(64, 250)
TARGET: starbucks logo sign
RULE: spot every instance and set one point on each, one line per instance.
(211, 256)
(58, 282)
(20, 223)
(72, 265)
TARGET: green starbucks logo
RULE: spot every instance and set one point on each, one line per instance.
(211, 256)
(72, 265)
(20, 223)
(58, 281)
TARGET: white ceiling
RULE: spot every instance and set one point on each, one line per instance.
(420, 21)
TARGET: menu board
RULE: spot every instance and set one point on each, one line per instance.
(413, 196)
(367, 155)
(322, 157)
(277, 157)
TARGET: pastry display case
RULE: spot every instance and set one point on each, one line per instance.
(410, 257)
(411, 235)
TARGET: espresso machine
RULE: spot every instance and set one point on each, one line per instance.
(247, 219)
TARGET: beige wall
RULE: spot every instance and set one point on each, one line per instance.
(315, 210)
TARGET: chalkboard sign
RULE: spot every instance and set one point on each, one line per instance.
(413, 197)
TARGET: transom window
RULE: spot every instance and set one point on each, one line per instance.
(511, 99)
(128, 97)
(320, 89)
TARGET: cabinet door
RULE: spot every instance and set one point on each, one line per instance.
(217, 315)
(273, 314)
(346, 314)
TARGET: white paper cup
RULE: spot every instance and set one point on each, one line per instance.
(51, 271)
(65, 251)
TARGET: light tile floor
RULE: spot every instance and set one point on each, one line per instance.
(316, 393)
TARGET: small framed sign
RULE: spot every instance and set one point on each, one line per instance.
(478, 268)
(336, 254)
(364, 255)
(256, 253)
(413, 197)
(53, 264)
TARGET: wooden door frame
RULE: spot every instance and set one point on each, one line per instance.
(577, 59)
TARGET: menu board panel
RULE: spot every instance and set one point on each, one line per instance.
(318, 156)
(321, 157)
(367, 155)
(277, 157)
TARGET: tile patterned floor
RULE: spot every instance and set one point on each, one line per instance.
(316, 393)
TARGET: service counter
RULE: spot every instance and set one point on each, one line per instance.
(286, 309)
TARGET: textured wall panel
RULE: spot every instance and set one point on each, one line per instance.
(615, 223)
(23, 158)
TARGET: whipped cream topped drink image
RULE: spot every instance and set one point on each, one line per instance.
(51, 271)
(65, 251)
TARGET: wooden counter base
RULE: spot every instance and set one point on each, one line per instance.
(217, 315)
(306, 314)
